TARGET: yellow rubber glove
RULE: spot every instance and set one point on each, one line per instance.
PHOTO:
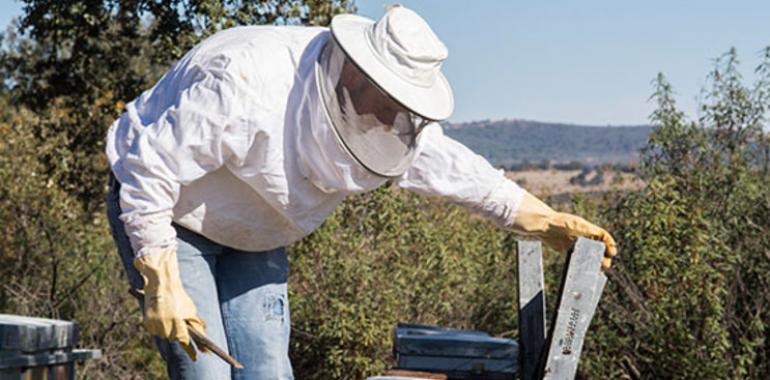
(167, 307)
(559, 230)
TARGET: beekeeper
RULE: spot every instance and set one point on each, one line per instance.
(251, 140)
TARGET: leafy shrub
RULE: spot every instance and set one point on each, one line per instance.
(689, 298)
(57, 261)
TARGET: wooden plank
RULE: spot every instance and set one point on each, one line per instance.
(598, 290)
(30, 334)
(458, 367)
(531, 306)
(581, 289)
(413, 375)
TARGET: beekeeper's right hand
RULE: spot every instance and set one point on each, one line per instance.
(167, 308)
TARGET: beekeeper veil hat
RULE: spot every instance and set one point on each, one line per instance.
(381, 82)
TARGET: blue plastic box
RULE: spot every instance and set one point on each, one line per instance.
(459, 354)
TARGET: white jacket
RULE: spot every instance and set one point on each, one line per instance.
(233, 143)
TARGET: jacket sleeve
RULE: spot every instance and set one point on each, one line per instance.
(447, 168)
(171, 135)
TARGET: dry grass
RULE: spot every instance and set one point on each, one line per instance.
(554, 182)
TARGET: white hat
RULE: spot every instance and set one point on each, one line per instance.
(402, 55)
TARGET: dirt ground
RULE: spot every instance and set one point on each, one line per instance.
(553, 182)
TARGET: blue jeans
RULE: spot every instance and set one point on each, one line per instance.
(240, 295)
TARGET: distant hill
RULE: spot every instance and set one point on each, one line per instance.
(511, 141)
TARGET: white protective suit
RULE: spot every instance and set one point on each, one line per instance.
(234, 143)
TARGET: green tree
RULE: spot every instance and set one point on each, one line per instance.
(90, 57)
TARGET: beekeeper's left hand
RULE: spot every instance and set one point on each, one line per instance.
(559, 230)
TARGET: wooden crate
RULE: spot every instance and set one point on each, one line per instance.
(37, 348)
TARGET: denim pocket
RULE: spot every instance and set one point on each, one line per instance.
(274, 307)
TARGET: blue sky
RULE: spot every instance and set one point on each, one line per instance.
(588, 62)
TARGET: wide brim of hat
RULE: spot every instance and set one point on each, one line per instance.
(435, 102)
